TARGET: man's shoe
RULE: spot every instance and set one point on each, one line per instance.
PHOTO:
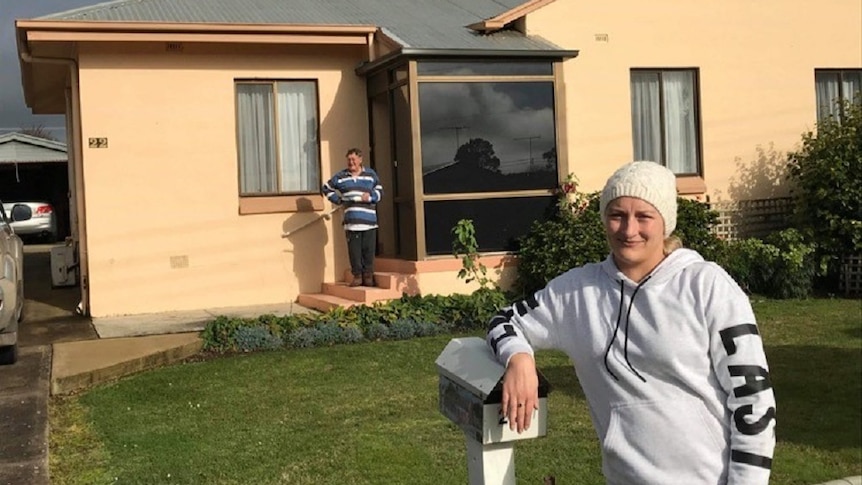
(368, 279)
(357, 280)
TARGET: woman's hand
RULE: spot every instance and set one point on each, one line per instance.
(520, 391)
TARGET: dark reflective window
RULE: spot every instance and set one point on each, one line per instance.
(487, 136)
(498, 222)
(508, 68)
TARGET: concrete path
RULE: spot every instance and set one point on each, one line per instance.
(24, 423)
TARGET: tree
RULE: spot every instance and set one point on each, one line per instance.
(550, 158)
(827, 172)
(480, 153)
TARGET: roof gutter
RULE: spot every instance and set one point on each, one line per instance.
(77, 163)
(419, 52)
(187, 27)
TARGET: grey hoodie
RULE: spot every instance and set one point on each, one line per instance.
(673, 368)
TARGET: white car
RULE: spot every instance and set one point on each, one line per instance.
(33, 219)
(11, 287)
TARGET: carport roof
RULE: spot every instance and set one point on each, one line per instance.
(23, 148)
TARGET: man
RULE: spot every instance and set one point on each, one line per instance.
(359, 190)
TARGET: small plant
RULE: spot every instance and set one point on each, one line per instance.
(466, 247)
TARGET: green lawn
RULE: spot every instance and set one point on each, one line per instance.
(367, 413)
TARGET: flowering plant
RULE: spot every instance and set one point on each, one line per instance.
(571, 201)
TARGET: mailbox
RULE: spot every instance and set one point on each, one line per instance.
(471, 383)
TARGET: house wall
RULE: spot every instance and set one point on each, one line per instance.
(164, 230)
(756, 62)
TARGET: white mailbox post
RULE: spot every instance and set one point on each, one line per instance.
(470, 395)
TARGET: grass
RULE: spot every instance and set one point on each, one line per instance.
(367, 414)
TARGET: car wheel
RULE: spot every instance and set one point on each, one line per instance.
(8, 354)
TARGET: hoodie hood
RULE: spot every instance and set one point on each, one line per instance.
(667, 269)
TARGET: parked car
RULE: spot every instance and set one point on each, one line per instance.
(35, 219)
(11, 284)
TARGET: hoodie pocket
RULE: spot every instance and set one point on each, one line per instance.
(664, 442)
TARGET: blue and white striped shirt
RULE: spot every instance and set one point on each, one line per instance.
(346, 189)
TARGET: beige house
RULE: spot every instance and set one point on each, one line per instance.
(200, 131)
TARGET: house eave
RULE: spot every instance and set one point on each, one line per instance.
(426, 53)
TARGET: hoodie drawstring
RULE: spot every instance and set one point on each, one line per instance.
(614, 337)
(628, 320)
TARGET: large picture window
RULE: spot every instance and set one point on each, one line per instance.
(665, 119)
(487, 126)
(277, 124)
(835, 87)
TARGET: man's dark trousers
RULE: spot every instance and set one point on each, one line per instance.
(360, 247)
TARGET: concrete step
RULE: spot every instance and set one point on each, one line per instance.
(361, 294)
(323, 302)
(400, 282)
(79, 365)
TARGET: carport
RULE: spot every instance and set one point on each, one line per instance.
(36, 169)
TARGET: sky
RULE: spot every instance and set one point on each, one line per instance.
(14, 114)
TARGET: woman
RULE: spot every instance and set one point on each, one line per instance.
(664, 344)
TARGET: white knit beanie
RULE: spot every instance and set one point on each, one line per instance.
(648, 181)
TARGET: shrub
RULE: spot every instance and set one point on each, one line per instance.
(406, 317)
(554, 246)
(827, 173)
(694, 224)
(219, 335)
(377, 331)
(251, 338)
(782, 266)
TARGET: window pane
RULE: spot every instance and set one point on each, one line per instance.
(493, 232)
(851, 84)
(826, 86)
(488, 136)
(646, 116)
(297, 131)
(474, 68)
(680, 117)
(256, 138)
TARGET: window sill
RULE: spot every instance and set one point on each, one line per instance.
(690, 185)
(280, 203)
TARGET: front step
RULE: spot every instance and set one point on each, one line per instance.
(390, 286)
(361, 294)
(323, 302)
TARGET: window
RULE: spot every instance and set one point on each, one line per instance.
(665, 118)
(494, 131)
(277, 125)
(835, 87)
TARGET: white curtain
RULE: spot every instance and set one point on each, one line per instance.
(646, 116)
(297, 129)
(828, 91)
(680, 121)
(256, 137)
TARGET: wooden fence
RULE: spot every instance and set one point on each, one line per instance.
(851, 276)
(752, 218)
(758, 218)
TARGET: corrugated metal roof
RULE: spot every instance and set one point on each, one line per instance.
(421, 24)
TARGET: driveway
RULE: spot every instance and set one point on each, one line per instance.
(49, 317)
